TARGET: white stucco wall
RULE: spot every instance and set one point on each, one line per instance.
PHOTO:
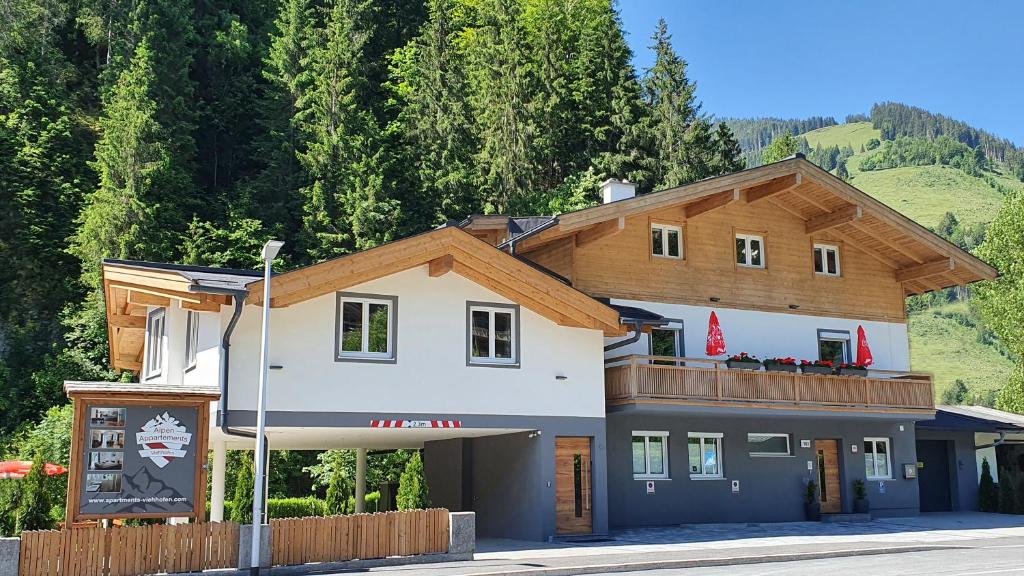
(774, 334)
(207, 368)
(430, 375)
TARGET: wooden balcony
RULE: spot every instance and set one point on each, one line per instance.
(699, 381)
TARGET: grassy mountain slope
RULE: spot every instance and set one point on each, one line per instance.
(941, 340)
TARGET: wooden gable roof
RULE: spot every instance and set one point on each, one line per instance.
(922, 260)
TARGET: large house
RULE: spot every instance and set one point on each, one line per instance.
(554, 369)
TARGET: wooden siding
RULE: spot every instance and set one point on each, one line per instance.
(638, 381)
(622, 266)
(556, 256)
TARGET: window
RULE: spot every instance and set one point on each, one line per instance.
(366, 327)
(191, 338)
(768, 444)
(834, 345)
(876, 459)
(650, 455)
(826, 259)
(155, 342)
(666, 241)
(667, 341)
(492, 334)
(750, 251)
(705, 451)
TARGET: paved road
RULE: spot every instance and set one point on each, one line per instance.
(1002, 557)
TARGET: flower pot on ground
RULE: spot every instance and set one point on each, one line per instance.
(860, 495)
(780, 365)
(852, 370)
(816, 367)
(812, 506)
(743, 361)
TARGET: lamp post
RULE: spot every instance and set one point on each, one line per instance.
(270, 250)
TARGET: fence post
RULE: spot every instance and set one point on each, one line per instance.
(10, 556)
(463, 534)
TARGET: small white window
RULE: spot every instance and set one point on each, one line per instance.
(877, 463)
(155, 323)
(650, 455)
(705, 452)
(492, 334)
(366, 328)
(191, 338)
(768, 444)
(826, 259)
(667, 241)
(750, 250)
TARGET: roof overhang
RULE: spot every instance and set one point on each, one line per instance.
(974, 419)
(445, 250)
(829, 207)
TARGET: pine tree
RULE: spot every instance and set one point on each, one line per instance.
(245, 483)
(338, 492)
(1007, 493)
(728, 154)
(412, 487)
(33, 512)
(988, 494)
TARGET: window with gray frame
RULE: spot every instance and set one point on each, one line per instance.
(769, 444)
(191, 338)
(155, 326)
(834, 345)
(667, 341)
(366, 328)
(492, 334)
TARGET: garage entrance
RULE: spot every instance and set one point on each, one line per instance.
(933, 475)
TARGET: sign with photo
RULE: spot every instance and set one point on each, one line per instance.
(139, 460)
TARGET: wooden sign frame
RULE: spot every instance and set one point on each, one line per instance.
(137, 395)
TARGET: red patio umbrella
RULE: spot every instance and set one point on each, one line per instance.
(864, 357)
(716, 340)
(11, 469)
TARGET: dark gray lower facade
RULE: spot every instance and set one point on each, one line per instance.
(509, 480)
(949, 471)
(770, 488)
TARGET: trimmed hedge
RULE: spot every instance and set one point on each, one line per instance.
(300, 507)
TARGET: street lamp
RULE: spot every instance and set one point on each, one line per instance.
(270, 250)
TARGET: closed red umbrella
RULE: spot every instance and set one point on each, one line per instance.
(864, 357)
(716, 340)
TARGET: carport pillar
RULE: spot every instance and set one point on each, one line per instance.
(360, 480)
(220, 461)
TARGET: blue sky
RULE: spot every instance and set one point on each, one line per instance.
(794, 59)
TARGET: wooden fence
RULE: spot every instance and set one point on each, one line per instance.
(129, 551)
(360, 536)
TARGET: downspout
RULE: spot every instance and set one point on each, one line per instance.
(637, 333)
(998, 442)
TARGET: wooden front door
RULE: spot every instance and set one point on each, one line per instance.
(573, 503)
(827, 452)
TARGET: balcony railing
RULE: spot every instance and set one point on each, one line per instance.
(667, 379)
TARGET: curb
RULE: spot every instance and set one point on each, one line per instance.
(711, 562)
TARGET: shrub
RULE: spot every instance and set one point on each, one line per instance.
(811, 493)
(338, 492)
(1020, 495)
(988, 494)
(1007, 493)
(241, 509)
(33, 511)
(296, 507)
(873, 143)
(373, 501)
(412, 486)
(860, 491)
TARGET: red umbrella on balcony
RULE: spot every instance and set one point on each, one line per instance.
(716, 340)
(13, 469)
(864, 357)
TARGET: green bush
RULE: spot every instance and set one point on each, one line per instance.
(1007, 493)
(1020, 495)
(33, 511)
(339, 492)
(296, 507)
(373, 501)
(988, 494)
(412, 486)
(241, 509)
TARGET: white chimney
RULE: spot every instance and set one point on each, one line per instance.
(612, 190)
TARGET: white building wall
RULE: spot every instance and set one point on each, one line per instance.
(430, 375)
(774, 334)
(207, 369)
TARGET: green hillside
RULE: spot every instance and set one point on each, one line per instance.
(943, 343)
(943, 340)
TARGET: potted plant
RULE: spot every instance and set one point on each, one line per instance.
(816, 366)
(812, 506)
(846, 369)
(860, 497)
(780, 364)
(743, 361)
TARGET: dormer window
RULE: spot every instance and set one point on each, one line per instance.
(826, 259)
(750, 251)
(667, 241)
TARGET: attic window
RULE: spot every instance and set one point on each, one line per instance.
(666, 241)
(826, 259)
(366, 328)
(750, 251)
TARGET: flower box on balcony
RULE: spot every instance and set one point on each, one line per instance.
(821, 367)
(743, 361)
(853, 370)
(781, 365)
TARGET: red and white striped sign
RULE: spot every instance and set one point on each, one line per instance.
(415, 424)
